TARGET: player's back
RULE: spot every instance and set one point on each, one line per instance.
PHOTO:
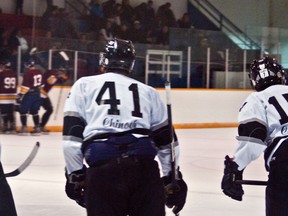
(114, 103)
(271, 108)
(32, 78)
(8, 82)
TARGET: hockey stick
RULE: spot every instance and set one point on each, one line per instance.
(26, 163)
(251, 182)
(174, 186)
(58, 102)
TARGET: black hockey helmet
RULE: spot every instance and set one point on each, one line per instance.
(30, 63)
(119, 55)
(265, 72)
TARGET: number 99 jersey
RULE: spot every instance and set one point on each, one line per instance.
(263, 122)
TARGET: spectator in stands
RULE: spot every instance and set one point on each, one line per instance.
(83, 42)
(109, 8)
(145, 13)
(44, 43)
(107, 31)
(166, 15)
(162, 36)
(96, 15)
(49, 18)
(49, 4)
(96, 9)
(149, 19)
(184, 21)
(19, 7)
(115, 17)
(4, 54)
(15, 40)
(122, 32)
(127, 12)
(63, 27)
(150, 36)
(22, 42)
(100, 37)
(140, 11)
(136, 33)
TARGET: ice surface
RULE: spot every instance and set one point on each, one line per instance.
(39, 190)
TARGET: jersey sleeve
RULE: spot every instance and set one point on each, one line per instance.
(73, 128)
(252, 131)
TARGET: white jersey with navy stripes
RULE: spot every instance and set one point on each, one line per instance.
(266, 110)
(111, 103)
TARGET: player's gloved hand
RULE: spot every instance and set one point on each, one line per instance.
(228, 185)
(175, 194)
(19, 98)
(75, 186)
(62, 78)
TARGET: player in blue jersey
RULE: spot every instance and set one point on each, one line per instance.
(118, 125)
(263, 123)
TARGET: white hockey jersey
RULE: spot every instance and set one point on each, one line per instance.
(262, 118)
(110, 103)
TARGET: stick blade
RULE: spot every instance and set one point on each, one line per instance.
(26, 163)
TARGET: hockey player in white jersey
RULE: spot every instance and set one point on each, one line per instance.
(263, 124)
(117, 125)
(7, 205)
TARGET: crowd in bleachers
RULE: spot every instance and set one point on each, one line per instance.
(102, 20)
(109, 19)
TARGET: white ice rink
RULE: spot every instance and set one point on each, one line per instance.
(39, 190)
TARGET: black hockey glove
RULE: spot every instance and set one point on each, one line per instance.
(75, 186)
(228, 185)
(176, 197)
(19, 98)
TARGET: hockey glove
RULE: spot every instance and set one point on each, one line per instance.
(75, 186)
(62, 78)
(175, 198)
(19, 98)
(231, 174)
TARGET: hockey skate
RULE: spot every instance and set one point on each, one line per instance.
(23, 131)
(9, 130)
(44, 130)
(36, 131)
(4, 129)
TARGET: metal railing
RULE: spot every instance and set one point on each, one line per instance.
(225, 25)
